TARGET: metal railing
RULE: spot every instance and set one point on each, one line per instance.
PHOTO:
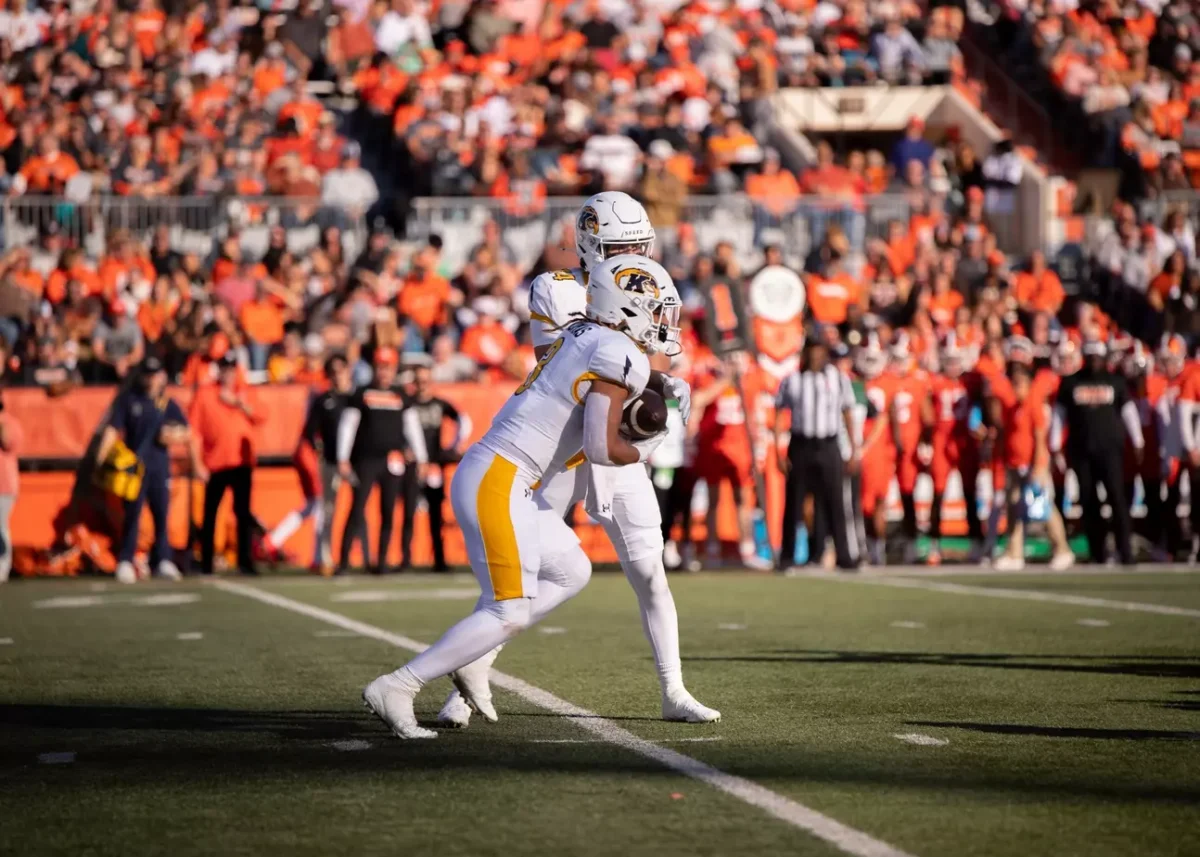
(1018, 112)
(196, 224)
(460, 222)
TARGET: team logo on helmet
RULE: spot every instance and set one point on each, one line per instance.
(589, 221)
(638, 281)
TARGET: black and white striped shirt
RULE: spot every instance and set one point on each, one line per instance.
(816, 400)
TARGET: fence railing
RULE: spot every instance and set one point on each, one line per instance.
(196, 224)
(460, 222)
(1187, 201)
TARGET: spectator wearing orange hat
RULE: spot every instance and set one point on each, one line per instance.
(223, 420)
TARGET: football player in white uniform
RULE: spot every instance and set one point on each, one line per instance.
(609, 223)
(527, 560)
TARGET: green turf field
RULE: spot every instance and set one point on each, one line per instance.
(948, 715)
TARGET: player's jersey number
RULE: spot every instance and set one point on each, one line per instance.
(541, 364)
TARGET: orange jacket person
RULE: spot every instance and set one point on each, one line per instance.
(224, 424)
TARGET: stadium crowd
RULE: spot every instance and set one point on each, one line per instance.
(1124, 82)
(519, 101)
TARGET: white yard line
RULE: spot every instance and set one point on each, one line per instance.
(920, 740)
(1140, 570)
(1019, 595)
(841, 836)
(604, 741)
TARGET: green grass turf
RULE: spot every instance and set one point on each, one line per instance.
(1063, 739)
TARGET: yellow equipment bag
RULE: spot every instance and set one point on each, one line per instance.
(121, 473)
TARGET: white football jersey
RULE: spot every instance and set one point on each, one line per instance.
(541, 426)
(555, 298)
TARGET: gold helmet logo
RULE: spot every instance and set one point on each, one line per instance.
(589, 221)
(638, 281)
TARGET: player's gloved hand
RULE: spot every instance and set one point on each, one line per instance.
(679, 389)
(646, 446)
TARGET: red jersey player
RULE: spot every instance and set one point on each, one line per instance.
(1146, 388)
(723, 445)
(908, 392)
(879, 453)
(954, 393)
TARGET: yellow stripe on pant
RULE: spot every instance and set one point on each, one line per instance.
(493, 503)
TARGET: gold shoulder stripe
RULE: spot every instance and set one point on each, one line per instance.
(537, 316)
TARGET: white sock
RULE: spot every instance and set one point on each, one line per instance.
(660, 620)
(747, 548)
(284, 529)
(470, 639)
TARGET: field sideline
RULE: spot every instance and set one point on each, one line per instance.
(912, 713)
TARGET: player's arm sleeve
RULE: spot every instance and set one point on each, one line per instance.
(1057, 417)
(1187, 429)
(120, 413)
(1133, 424)
(847, 392)
(347, 431)
(595, 429)
(543, 312)
(415, 435)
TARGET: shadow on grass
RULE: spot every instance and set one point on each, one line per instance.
(1063, 731)
(1151, 666)
(203, 749)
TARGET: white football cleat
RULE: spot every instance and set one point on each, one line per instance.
(126, 573)
(389, 700)
(472, 683)
(167, 570)
(682, 707)
(455, 714)
(1062, 561)
(1009, 563)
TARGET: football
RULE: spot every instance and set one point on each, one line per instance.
(645, 416)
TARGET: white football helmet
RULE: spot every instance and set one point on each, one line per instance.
(871, 359)
(611, 223)
(1173, 355)
(637, 296)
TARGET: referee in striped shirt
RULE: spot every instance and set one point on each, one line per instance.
(821, 401)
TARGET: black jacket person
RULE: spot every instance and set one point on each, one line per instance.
(379, 437)
(1094, 406)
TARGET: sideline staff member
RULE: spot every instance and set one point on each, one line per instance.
(377, 438)
(224, 424)
(821, 401)
(147, 421)
(431, 413)
(1093, 403)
